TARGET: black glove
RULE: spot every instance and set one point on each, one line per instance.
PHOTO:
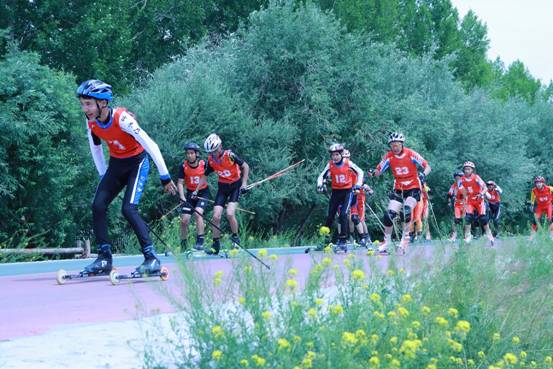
(244, 190)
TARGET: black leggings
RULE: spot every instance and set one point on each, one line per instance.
(340, 199)
(130, 172)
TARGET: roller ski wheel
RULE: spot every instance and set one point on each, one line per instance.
(116, 278)
(62, 276)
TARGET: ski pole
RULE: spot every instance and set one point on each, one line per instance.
(275, 175)
(221, 231)
(237, 208)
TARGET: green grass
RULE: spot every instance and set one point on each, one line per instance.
(469, 308)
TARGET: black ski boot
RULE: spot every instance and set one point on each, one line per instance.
(199, 242)
(151, 263)
(215, 247)
(103, 263)
(341, 245)
(235, 241)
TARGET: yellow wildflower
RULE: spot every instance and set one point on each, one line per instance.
(360, 333)
(307, 362)
(258, 360)
(470, 362)
(244, 362)
(391, 314)
(393, 340)
(391, 273)
(456, 346)
(266, 315)
(262, 252)
(292, 272)
(462, 327)
(374, 338)
(516, 340)
(406, 298)
(358, 275)
(374, 361)
(409, 348)
(233, 252)
(296, 339)
(548, 360)
(442, 321)
(375, 297)
(481, 354)
(242, 300)
(349, 338)
(292, 284)
(216, 355)
(327, 261)
(347, 263)
(324, 231)
(425, 310)
(312, 313)
(217, 331)
(379, 315)
(218, 274)
(370, 252)
(431, 366)
(403, 311)
(453, 312)
(283, 344)
(523, 355)
(510, 358)
(319, 302)
(387, 356)
(395, 363)
(337, 309)
(416, 324)
(496, 337)
(273, 257)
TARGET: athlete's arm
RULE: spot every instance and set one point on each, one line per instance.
(243, 166)
(359, 173)
(180, 183)
(498, 189)
(97, 153)
(129, 125)
(323, 175)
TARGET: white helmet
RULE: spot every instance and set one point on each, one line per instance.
(212, 143)
(336, 147)
(396, 137)
(469, 164)
(346, 154)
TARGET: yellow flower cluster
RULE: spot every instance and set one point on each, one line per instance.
(374, 361)
(312, 313)
(319, 301)
(216, 355)
(406, 298)
(283, 344)
(262, 253)
(292, 272)
(425, 310)
(326, 261)
(244, 363)
(337, 309)
(456, 346)
(453, 312)
(233, 252)
(292, 284)
(307, 361)
(217, 331)
(442, 321)
(375, 297)
(403, 312)
(324, 231)
(349, 339)
(266, 315)
(358, 275)
(510, 358)
(410, 347)
(218, 278)
(258, 360)
(462, 327)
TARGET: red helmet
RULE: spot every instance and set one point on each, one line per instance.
(539, 179)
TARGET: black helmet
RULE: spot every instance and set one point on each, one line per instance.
(192, 146)
(457, 174)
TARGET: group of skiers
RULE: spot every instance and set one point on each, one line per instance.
(472, 200)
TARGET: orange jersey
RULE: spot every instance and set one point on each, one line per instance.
(456, 194)
(227, 170)
(193, 175)
(542, 197)
(495, 196)
(404, 168)
(472, 186)
(341, 176)
(121, 144)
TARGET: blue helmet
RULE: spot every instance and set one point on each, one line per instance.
(96, 89)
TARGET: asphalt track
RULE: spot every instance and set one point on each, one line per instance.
(33, 303)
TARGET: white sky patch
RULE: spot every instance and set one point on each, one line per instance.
(517, 30)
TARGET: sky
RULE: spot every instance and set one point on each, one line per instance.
(517, 29)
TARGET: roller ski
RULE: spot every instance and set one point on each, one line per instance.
(102, 266)
(150, 267)
(341, 246)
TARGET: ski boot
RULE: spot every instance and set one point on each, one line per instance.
(235, 241)
(341, 245)
(199, 242)
(403, 244)
(102, 264)
(151, 264)
(215, 247)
